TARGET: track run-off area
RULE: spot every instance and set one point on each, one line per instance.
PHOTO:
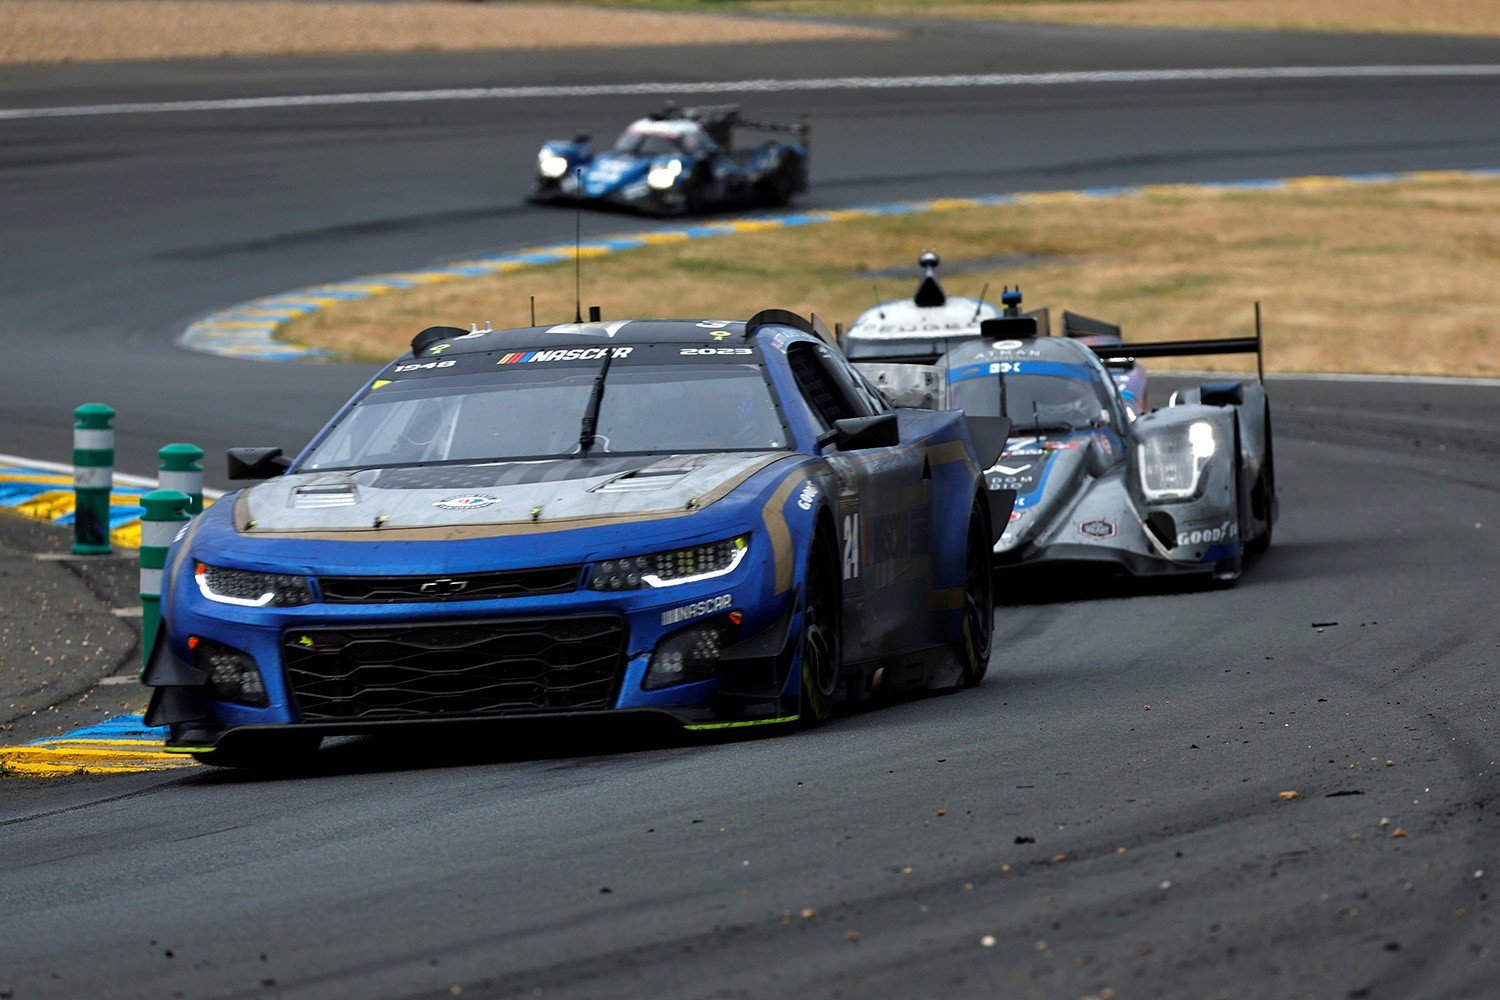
(1105, 813)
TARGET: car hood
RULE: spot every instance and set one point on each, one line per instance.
(609, 172)
(457, 501)
(1046, 473)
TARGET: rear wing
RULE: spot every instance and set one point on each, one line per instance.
(719, 119)
(1124, 354)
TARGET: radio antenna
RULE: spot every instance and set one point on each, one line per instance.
(533, 310)
(878, 310)
(982, 293)
(578, 250)
(1260, 356)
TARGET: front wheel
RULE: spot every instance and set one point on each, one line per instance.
(821, 648)
(979, 604)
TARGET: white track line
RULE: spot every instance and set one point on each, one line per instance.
(61, 469)
(765, 86)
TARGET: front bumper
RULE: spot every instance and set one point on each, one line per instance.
(589, 652)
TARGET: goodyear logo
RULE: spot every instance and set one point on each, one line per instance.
(563, 354)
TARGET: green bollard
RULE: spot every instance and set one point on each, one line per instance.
(182, 470)
(166, 513)
(93, 477)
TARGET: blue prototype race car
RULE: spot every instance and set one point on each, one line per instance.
(1101, 479)
(678, 162)
(720, 523)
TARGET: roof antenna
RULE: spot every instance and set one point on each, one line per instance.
(878, 310)
(533, 310)
(982, 293)
(1260, 357)
(578, 251)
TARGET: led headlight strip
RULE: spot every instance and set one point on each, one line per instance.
(1172, 463)
(251, 590)
(672, 568)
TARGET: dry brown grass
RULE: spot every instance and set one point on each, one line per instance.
(51, 31)
(1460, 17)
(1397, 277)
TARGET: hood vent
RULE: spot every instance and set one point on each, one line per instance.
(645, 479)
(316, 497)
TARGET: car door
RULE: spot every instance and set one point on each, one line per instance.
(883, 514)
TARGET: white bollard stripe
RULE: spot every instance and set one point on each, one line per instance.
(183, 482)
(93, 475)
(92, 439)
(159, 534)
(151, 581)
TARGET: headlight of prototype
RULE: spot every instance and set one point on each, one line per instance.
(1172, 460)
(550, 164)
(668, 569)
(664, 175)
(251, 590)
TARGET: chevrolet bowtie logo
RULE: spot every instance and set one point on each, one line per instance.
(444, 586)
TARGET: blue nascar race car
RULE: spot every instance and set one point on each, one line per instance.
(678, 162)
(719, 523)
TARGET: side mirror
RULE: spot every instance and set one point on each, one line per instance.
(989, 435)
(257, 463)
(859, 433)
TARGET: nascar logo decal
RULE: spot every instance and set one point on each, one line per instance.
(697, 609)
(471, 502)
(563, 354)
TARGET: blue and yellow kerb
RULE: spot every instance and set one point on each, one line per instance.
(249, 330)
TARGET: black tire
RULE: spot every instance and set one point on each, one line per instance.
(979, 603)
(279, 752)
(1227, 571)
(821, 652)
(1264, 493)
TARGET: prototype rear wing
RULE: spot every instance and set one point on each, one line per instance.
(1128, 353)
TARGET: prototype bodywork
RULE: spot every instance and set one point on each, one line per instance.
(719, 523)
(677, 163)
(1187, 488)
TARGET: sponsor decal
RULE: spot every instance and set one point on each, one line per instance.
(429, 364)
(1016, 515)
(1060, 446)
(472, 501)
(1011, 470)
(562, 354)
(438, 348)
(851, 546)
(1218, 533)
(1005, 368)
(808, 495)
(698, 352)
(1098, 528)
(1006, 345)
(697, 609)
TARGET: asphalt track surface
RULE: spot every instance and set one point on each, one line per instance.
(1106, 806)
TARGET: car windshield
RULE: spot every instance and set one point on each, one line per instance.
(536, 413)
(1062, 402)
(647, 144)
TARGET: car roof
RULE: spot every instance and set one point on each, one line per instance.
(620, 331)
(1064, 350)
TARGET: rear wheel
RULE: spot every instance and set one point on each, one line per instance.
(979, 604)
(821, 651)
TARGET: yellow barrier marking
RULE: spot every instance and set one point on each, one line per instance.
(127, 536)
(45, 761)
(949, 204)
(670, 236)
(16, 477)
(757, 225)
(47, 506)
(247, 324)
(423, 277)
(845, 214)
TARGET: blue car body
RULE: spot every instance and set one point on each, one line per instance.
(480, 590)
(677, 163)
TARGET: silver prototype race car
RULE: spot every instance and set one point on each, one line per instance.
(1098, 477)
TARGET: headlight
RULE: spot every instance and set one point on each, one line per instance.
(232, 675)
(668, 569)
(251, 590)
(1172, 460)
(659, 178)
(551, 165)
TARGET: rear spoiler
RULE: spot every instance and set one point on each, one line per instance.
(1186, 348)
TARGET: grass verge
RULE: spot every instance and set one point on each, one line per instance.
(1457, 17)
(53, 31)
(1394, 278)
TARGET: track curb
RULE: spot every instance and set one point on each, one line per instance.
(250, 329)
